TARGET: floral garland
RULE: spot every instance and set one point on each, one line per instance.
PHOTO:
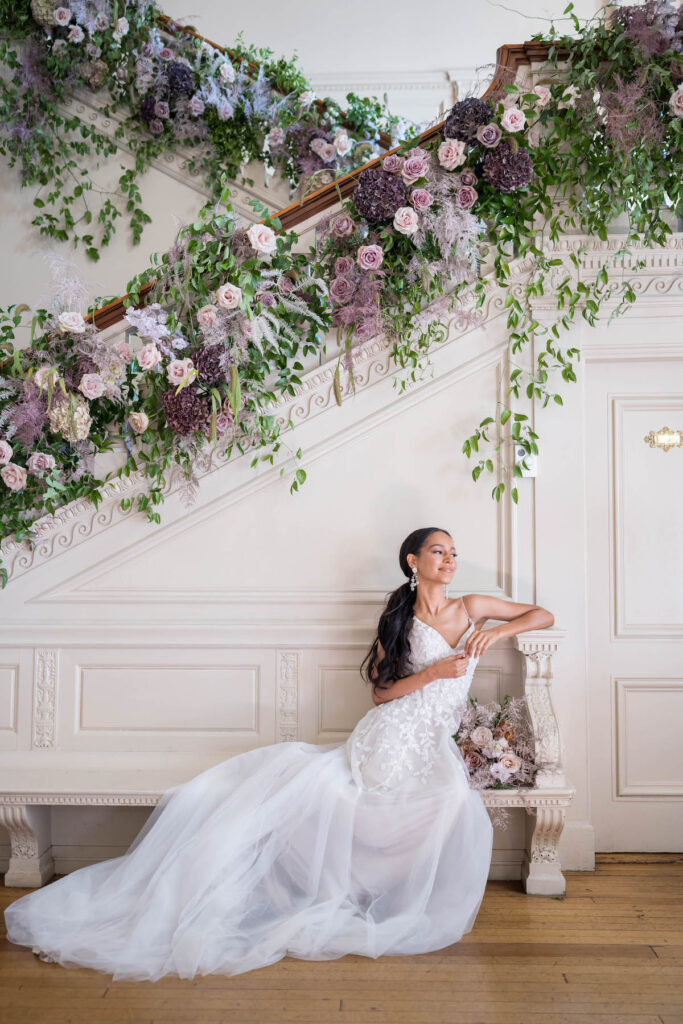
(175, 90)
(404, 251)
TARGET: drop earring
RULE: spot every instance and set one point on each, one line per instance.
(413, 578)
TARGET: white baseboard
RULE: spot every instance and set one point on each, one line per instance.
(577, 846)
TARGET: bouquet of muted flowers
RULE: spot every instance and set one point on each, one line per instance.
(497, 744)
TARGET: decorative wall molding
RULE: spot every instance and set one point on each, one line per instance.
(288, 695)
(626, 786)
(665, 405)
(44, 698)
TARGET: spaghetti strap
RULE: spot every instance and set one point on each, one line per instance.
(462, 602)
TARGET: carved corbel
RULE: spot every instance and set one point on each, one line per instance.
(30, 863)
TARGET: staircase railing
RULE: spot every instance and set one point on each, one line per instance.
(509, 58)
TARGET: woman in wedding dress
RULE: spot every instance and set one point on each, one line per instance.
(374, 846)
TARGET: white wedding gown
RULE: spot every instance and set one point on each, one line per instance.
(372, 846)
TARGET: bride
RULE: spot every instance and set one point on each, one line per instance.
(372, 846)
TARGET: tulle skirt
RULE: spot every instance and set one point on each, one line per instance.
(274, 852)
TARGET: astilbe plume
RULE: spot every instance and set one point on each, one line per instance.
(632, 116)
(379, 194)
(655, 26)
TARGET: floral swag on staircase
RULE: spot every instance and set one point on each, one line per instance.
(228, 313)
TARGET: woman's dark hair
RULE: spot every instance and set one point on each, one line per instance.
(396, 619)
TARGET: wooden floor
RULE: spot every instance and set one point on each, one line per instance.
(610, 951)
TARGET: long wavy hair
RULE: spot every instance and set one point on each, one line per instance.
(395, 621)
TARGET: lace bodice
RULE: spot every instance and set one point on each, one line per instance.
(406, 738)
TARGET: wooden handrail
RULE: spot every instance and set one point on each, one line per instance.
(174, 27)
(509, 58)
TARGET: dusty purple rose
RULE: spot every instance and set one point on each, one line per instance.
(466, 197)
(370, 257)
(265, 298)
(467, 177)
(489, 135)
(473, 761)
(393, 163)
(421, 199)
(343, 265)
(341, 290)
(156, 126)
(166, 53)
(161, 109)
(343, 225)
(285, 286)
(146, 50)
(414, 167)
(196, 105)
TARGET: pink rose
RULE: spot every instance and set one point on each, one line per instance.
(511, 762)
(91, 385)
(421, 199)
(341, 290)
(275, 137)
(40, 462)
(489, 135)
(369, 257)
(139, 421)
(326, 153)
(76, 34)
(406, 220)
(393, 163)
(533, 137)
(166, 53)
(466, 197)
(513, 119)
(285, 286)
(676, 102)
(62, 16)
(265, 298)
(71, 323)
(5, 452)
(207, 316)
(196, 105)
(451, 154)
(227, 71)
(262, 239)
(45, 371)
(124, 351)
(148, 356)
(543, 93)
(228, 296)
(343, 265)
(177, 370)
(343, 225)
(14, 476)
(343, 144)
(316, 144)
(414, 167)
(481, 736)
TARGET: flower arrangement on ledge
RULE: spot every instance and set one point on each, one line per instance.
(174, 89)
(232, 310)
(497, 744)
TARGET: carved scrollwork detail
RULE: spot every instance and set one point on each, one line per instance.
(288, 695)
(44, 698)
(23, 840)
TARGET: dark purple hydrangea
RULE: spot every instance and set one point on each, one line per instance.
(186, 411)
(465, 118)
(507, 169)
(148, 109)
(180, 78)
(210, 363)
(379, 195)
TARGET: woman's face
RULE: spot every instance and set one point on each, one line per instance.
(436, 560)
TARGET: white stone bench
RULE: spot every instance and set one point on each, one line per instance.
(26, 797)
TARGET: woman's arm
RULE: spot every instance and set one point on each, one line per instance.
(450, 667)
(518, 618)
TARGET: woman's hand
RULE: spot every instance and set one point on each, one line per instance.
(480, 640)
(452, 667)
